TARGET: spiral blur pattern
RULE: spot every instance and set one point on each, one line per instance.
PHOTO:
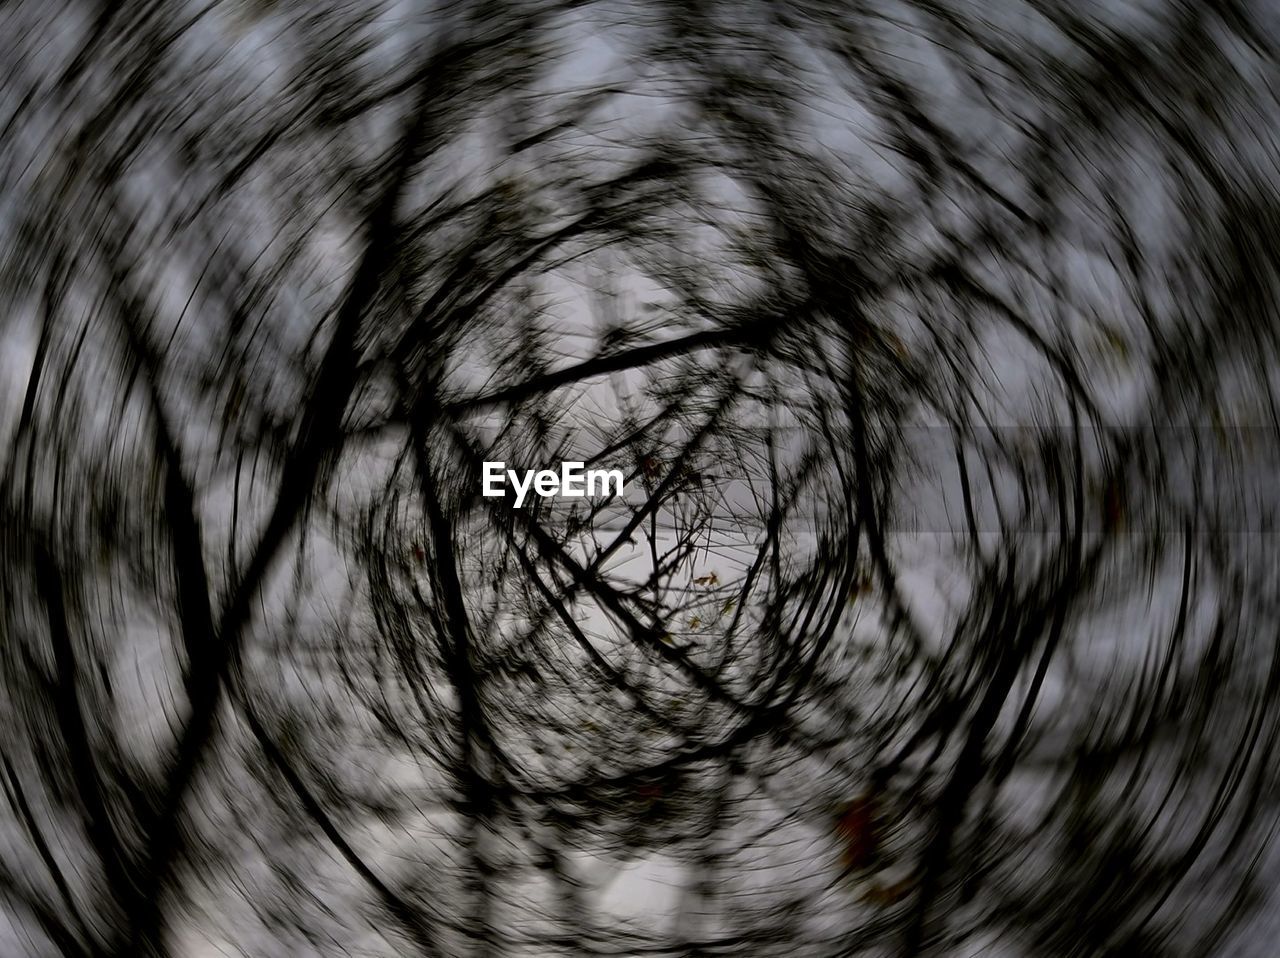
(937, 341)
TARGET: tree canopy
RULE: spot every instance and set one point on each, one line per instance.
(937, 342)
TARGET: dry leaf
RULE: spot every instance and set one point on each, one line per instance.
(858, 830)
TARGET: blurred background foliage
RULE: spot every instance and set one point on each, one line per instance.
(937, 340)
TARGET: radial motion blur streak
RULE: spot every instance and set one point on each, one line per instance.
(938, 344)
